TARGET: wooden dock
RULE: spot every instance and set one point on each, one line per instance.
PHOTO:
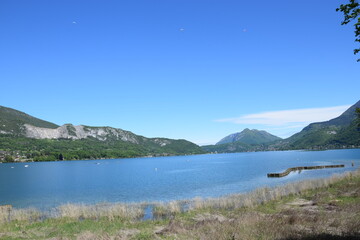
(289, 170)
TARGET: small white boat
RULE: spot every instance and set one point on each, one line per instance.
(12, 167)
(26, 166)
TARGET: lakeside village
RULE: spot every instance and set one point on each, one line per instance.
(10, 156)
(19, 156)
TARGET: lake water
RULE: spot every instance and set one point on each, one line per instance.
(48, 184)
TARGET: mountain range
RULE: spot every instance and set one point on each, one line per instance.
(340, 132)
(23, 137)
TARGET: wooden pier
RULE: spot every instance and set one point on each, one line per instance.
(289, 170)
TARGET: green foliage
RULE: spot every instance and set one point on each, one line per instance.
(352, 12)
(8, 158)
(234, 147)
(91, 148)
(358, 116)
(146, 235)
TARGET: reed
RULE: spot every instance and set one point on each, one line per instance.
(23, 214)
(110, 211)
(165, 210)
(262, 195)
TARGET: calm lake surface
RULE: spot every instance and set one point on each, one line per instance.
(48, 184)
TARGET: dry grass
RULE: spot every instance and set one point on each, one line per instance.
(166, 210)
(263, 195)
(332, 212)
(76, 211)
(102, 210)
(316, 222)
(27, 214)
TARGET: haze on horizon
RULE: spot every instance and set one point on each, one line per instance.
(195, 70)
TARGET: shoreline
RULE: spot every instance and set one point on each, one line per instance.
(209, 153)
(161, 209)
(325, 208)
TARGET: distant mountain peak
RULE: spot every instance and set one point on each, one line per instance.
(248, 136)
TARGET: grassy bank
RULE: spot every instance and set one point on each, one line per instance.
(315, 209)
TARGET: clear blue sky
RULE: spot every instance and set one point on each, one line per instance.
(192, 69)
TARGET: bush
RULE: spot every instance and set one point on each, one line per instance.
(8, 158)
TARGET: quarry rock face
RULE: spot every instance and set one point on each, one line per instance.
(69, 131)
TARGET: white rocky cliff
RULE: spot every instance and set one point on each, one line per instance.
(70, 131)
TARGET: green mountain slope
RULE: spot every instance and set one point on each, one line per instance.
(12, 121)
(25, 137)
(247, 140)
(248, 136)
(340, 131)
(234, 147)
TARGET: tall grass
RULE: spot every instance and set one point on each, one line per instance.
(110, 211)
(266, 194)
(164, 210)
(26, 214)
(101, 210)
